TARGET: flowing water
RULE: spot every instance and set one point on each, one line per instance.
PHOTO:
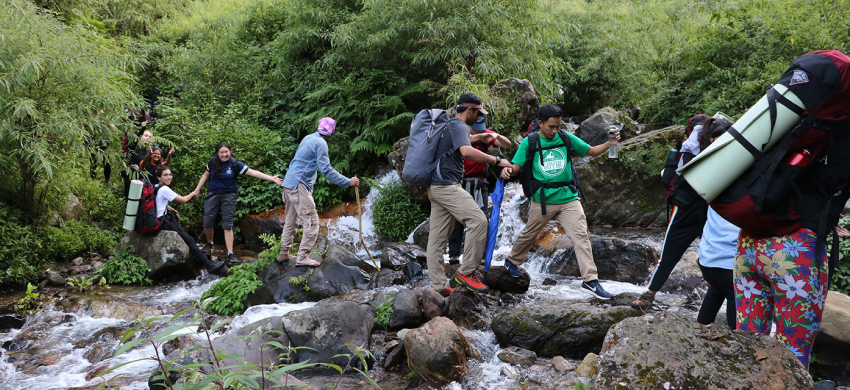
(59, 347)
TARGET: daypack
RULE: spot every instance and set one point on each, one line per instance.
(531, 185)
(668, 174)
(146, 220)
(426, 130)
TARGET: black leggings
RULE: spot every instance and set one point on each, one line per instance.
(169, 222)
(685, 226)
(720, 287)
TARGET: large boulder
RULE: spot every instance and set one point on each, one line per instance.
(72, 209)
(594, 130)
(166, 254)
(557, 329)
(438, 351)
(616, 259)
(627, 191)
(468, 308)
(397, 254)
(499, 279)
(407, 311)
(420, 234)
(520, 93)
(270, 222)
(833, 340)
(329, 329)
(668, 351)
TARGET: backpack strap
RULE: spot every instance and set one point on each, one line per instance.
(535, 184)
(434, 114)
(773, 97)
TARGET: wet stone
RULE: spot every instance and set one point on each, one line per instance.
(562, 365)
(549, 282)
(516, 355)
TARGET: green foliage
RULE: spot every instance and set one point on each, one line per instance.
(643, 160)
(125, 268)
(841, 278)
(301, 281)
(383, 313)
(99, 203)
(76, 238)
(30, 302)
(396, 213)
(20, 249)
(81, 284)
(230, 292)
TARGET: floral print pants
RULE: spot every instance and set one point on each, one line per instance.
(781, 280)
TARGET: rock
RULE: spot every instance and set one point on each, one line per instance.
(345, 257)
(835, 325)
(412, 271)
(616, 259)
(78, 261)
(626, 191)
(406, 310)
(166, 254)
(516, 355)
(549, 282)
(72, 210)
(396, 159)
(433, 304)
(498, 278)
(397, 254)
(55, 278)
(594, 130)
(522, 93)
(334, 278)
(126, 310)
(438, 351)
(387, 277)
(587, 368)
(686, 276)
(665, 350)
(420, 234)
(81, 269)
(11, 320)
(270, 222)
(98, 353)
(395, 356)
(402, 334)
(556, 329)
(327, 328)
(467, 308)
(562, 365)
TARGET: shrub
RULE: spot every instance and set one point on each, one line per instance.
(76, 238)
(20, 249)
(230, 292)
(841, 278)
(99, 203)
(395, 213)
(125, 268)
(383, 313)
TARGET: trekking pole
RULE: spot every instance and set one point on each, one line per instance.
(360, 224)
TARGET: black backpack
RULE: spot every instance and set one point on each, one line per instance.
(530, 185)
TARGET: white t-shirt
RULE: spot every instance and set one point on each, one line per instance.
(691, 145)
(163, 196)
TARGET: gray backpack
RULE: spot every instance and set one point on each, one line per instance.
(427, 129)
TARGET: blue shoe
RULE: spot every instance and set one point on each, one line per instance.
(513, 269)
(594, 288)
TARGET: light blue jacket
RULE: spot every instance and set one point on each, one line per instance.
(312, 156)
(719, 243)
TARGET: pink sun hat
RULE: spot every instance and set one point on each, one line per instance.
(326, 126)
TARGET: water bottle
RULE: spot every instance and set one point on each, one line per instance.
(800, 159)
(613, 143)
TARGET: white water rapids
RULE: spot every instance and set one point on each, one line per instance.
(63, 340)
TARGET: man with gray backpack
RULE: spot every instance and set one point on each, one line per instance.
(435, 155)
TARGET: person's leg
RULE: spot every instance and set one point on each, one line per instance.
(456, 240)
(754, 296)
(290, 199)
(169, 222)
(572, 219)
(107, 172)
(440, 223)
(211, 206)
(228, 211)
(306, 209)
(462, 207)
(536, 222)
(714, 297)
(727, 287)
(686, 224)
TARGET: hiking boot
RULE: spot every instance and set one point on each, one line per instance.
(232, 258)
(644, 302)
(513, 269)
(214, 266)
(454, 260)
(208, 247)
(594, 288)
(448, 291)
(471, 282)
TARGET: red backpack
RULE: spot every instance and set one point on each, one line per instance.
(668, 175)
(768, 198)
(146, 220)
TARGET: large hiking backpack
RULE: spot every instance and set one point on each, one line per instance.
(146, 220)
(668, 174)
(530, 185)
(766, 199)
(426, 130)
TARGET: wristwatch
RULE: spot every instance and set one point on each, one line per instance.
(498, 160)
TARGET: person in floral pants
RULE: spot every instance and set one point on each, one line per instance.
(782, 280)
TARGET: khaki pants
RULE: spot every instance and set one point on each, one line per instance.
(571, 217)
(299, 203)
(447, 204)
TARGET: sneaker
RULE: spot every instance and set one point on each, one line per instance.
(448, 291)
(471, 282)
(208, 247)
(513, 269)
(232, 258)
(594, 288)
(454, 260)
(214, 266)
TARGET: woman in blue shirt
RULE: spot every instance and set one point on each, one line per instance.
(222, 171)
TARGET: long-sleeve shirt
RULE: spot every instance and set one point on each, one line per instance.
(312, 156)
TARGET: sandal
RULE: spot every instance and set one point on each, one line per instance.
(312, 263)
(285, 259)
(644, 302)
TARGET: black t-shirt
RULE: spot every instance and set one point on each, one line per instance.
(137, 154)
(450, 171)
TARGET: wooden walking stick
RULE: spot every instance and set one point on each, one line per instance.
(360, 228)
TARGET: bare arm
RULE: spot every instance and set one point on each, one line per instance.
(146, 161)
(499, 140)
(515, 169)
(502, 141)
(184, 198)
(168, 157)
(259, 175)
(470, 153)
(597, 150)
(203, 180)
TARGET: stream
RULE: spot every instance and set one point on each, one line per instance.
(66, 343)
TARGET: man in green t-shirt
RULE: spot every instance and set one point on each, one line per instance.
(560, 202)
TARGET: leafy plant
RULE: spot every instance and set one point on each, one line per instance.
(383, 313)
(19, 249)
(125, 268)
(231, 291)
(30, 302)
(396, 213)
(83, 284)
(841, 278)
(76, 238)
(301, 281)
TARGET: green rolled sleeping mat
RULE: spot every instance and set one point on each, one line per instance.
(133, 199)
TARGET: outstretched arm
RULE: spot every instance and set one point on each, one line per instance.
(599, 149)
(327, 170)
(203, 180)
(259, 175)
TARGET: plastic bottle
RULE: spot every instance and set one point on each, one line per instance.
(613, 143)
(800, 159)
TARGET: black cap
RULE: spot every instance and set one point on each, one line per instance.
(469, 97)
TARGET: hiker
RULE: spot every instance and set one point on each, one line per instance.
(311, 156)
(554, 193)
(450, 202)
(169, 218)
(222, 171)
(153, 161)
(474, 178)
(688, 217)
(135, 150)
